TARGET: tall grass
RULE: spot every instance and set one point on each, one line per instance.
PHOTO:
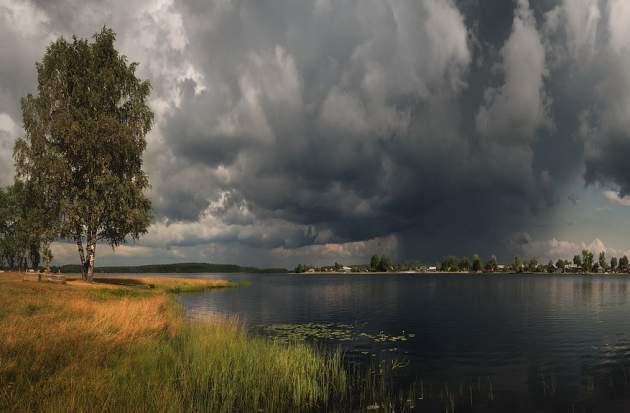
(116, 348)
(217, 368)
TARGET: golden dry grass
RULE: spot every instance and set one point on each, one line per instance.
(164, 283)
(124, 347)
(50, 333)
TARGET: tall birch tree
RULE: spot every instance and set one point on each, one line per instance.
(85, 134)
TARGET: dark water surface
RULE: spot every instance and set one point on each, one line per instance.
(479, 343)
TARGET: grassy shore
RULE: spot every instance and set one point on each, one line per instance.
(123, 345)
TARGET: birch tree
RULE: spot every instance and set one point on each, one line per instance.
(85, 134)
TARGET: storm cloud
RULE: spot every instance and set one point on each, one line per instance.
(336, 129)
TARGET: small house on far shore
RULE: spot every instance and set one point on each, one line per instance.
(572, 268)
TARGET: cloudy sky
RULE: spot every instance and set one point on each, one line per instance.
(317, 130)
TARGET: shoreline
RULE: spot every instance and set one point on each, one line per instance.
(468, 273)
(182, 276)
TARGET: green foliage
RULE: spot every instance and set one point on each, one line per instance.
(587, 260)
(602, 261)
(85, 135)
(532, 264)
(561, 263)
(491, 264)
(623, 263)
(375, 262)
(464, 264)
(518, 267)
(613, 264)
(11, 249)
(476, 265)
(550, 267)
(23, 223)
(385, 264)
(449, 264)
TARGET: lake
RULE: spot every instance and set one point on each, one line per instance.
(479, 343)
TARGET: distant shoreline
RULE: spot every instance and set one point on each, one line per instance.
(176, 268)
(129, 271)
(609, 274)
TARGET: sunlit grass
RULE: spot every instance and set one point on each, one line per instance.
(126, 347)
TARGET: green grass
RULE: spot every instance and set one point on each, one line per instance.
(216, 368)
(121, 348)
(117, 293)
(199, 288)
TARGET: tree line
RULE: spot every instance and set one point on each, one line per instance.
(582, 262)
(377, 264)
(79, 175)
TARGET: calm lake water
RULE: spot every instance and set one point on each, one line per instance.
(479, 343)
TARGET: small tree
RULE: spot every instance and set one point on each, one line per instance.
(85, 135)
(577, 260)
(602, 261)
(476, 265)
(623, 263)
(613, 264)
(550, 267)
(375, 262)
(532, 264)
(449, 263)
(491, 264)
(385, 264)
(587, 260)
(560, 264)
(464, 264)
(517, 267)
(22, 227)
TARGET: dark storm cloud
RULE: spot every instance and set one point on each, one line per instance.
(589, 41)
(348, 117)
(286, 124)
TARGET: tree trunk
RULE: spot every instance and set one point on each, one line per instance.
(47, 254)
(82, 256)
(91, 254)
(35, 256)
